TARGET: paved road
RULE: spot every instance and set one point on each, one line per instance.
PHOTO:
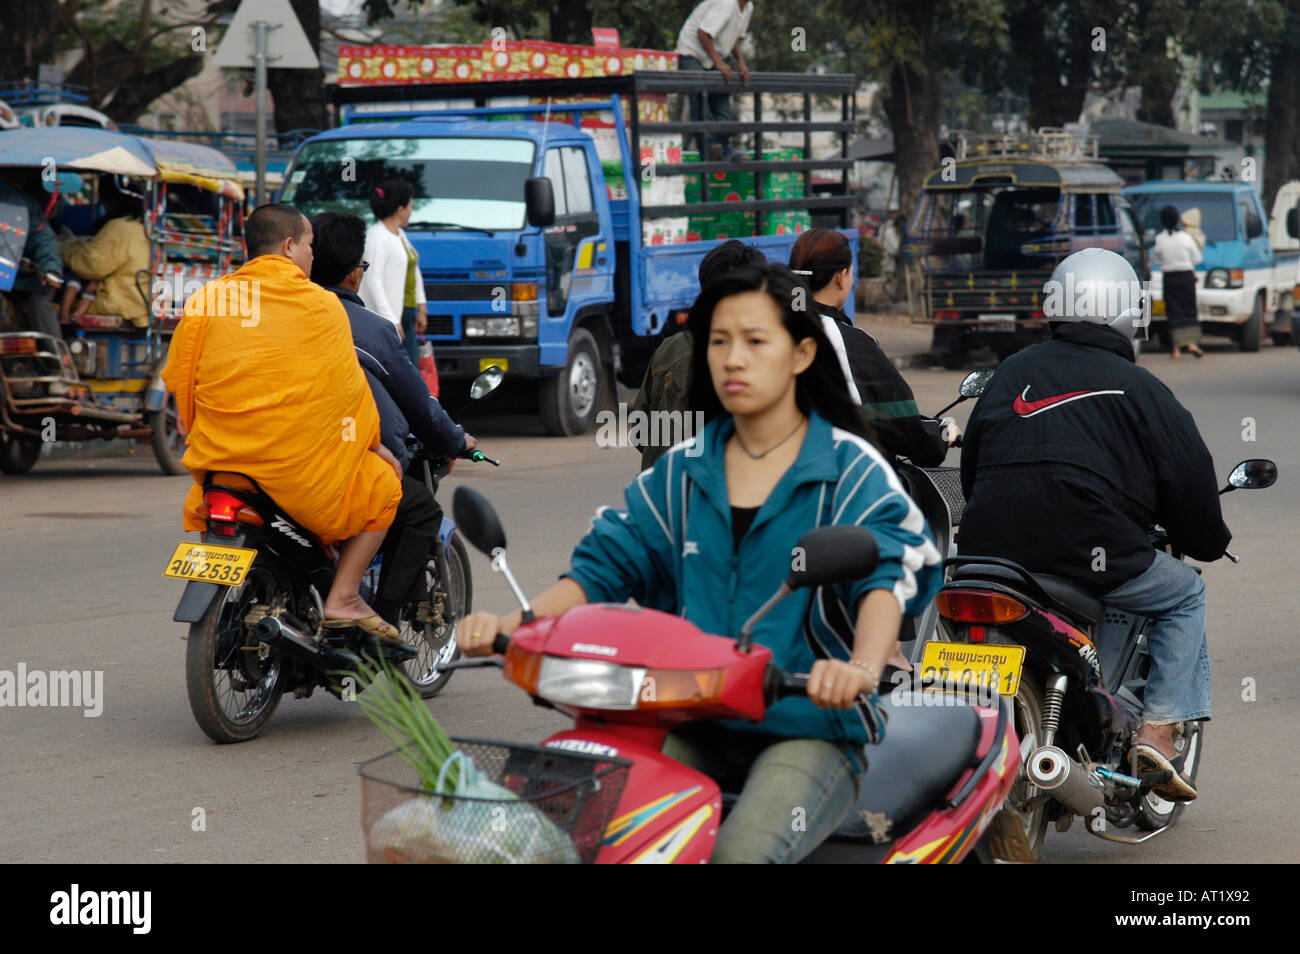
(83, 543)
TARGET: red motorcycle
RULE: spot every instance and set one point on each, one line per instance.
(630, 676)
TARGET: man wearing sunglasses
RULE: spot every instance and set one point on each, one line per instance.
(404, 403)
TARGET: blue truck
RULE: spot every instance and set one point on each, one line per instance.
(573, 301)
(1247, 278)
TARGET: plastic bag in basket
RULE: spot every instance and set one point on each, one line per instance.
(482, 823)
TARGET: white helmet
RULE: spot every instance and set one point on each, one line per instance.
(1099, 286)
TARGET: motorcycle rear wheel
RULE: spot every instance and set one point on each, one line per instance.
(1156, 812)
(437, 643)
(1029, 725)
(233, 703)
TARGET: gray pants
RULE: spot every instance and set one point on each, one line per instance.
(707, 107)
(38, 308)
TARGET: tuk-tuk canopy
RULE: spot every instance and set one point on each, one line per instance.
(82, 149)
(1068, 176)
(77, 148)
(197, 165)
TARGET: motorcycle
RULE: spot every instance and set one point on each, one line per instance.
(254, 601)
(629, 676)
(1078, 702)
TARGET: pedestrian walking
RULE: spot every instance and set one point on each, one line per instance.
(1177, 254)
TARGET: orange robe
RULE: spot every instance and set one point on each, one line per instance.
(267, 384)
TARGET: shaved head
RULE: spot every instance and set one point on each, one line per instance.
(267, 228)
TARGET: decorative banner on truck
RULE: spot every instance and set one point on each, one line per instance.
(497, 60)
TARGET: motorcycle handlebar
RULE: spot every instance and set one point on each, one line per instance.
(501, 644)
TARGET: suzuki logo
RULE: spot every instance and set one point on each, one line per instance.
(280, 524)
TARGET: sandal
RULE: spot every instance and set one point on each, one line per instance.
(373, 625)
(1168, 780)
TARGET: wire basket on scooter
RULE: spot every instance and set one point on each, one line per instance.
(562, 805)
(947, 480)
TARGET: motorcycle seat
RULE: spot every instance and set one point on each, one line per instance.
(1068, 596)
(925, 751)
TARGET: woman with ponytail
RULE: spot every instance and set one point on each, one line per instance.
(823, 259)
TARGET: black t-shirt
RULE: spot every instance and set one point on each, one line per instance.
(742, 518)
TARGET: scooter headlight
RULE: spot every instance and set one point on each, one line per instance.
(590, 683)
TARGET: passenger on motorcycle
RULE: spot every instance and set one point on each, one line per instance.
(708, 533)
(267, 385)
(1072, 453)
(404, 403)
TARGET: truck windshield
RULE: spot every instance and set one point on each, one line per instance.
(1217, 221)
(459, 183)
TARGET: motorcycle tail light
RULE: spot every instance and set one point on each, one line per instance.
(17, 345)
(227, 508)
(666, 688)
(522, 667)
(980, 606)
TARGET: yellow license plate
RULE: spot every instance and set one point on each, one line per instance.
(1158, 307)
(485, 363)
(209, 563)
(963, 666)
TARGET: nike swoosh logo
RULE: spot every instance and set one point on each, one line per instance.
(1030, 408)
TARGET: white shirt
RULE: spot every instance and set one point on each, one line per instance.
(1175, 252)
(721, 19)
(383, 287)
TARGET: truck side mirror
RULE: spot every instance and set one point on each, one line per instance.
(1254, 227)
(539, 201)
(1293, 223)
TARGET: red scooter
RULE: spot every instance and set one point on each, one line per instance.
(630, 676)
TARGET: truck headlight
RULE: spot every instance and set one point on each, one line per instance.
(1225, 278)
(485, 327)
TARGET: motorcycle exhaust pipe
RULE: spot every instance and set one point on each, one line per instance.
(281, 639)
(1065, 780)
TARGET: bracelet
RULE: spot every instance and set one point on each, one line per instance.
(869, 669)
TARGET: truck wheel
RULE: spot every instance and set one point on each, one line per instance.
(1248, 336)
(951, 346)
(1281, 333)
(18, 454)
(569, 400)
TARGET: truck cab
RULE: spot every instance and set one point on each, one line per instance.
(1247, 276)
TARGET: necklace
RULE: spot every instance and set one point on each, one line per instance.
(753, 456)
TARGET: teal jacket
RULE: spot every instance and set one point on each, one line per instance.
(671, 549)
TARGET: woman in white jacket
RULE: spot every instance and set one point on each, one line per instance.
(392, 285)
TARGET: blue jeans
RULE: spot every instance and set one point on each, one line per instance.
(709, 107)
(409, 341)
(794, 793)
(1173, 595)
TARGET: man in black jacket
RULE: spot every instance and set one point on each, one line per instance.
(404, 404)
(1071, 454)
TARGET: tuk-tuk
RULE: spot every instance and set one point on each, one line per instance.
(102, 379)
(992, 224)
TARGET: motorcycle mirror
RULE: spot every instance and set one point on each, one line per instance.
(822, 556)
(1254, 474)
(976, 383)
(477, 520)
(827, 555)
(486, 383)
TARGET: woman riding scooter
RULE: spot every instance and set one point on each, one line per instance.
(708, 533)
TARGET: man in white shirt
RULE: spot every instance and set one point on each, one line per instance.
(710, 34)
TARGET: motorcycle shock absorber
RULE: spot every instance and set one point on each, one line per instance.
(1053, 697)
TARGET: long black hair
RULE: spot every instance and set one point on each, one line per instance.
(821, 387)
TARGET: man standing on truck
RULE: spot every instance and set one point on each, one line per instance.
(710, 34)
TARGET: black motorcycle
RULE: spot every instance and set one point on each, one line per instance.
(254, 601)
(1078, 704)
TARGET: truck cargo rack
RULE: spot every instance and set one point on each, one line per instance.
(630, 88)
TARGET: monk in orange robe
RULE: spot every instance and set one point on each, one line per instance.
(267, 384)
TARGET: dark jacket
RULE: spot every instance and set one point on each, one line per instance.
(1072, 452)
(40, 245)
(885, 397)
(666, 386)
(401, 395)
